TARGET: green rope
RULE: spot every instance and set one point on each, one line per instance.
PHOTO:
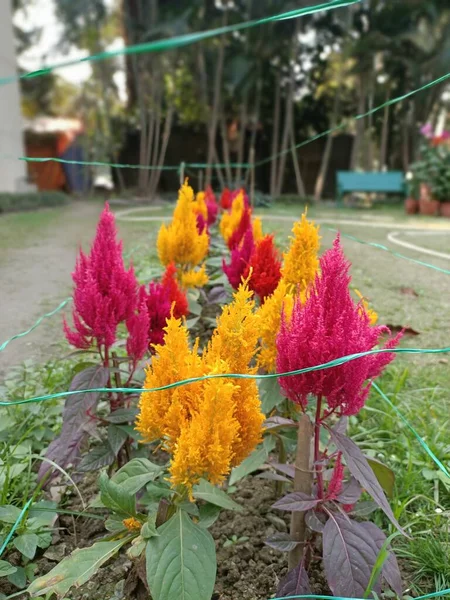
(386, 249)
(411, 428)
(182, 40)
(95, 163)
(38, 322)
(15, 526)
(361, 116)
(328, 365)
(320, 597)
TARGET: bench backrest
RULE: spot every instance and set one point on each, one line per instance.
(389, 181)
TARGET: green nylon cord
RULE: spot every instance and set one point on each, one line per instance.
(386, 249)
(15, 526)
(320, 597)
(95, 163)
(360, 116)
(328, 365)
(414, 432)
(182, 40)
(38, 322)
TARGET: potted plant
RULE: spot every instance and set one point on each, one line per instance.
(413, 191)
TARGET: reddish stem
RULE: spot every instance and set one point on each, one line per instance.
(318, 467)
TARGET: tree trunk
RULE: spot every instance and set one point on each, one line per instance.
(212, 129)
(298, 176)
(242, 135)
(252, 150)
(275, 136)
(384, 134)
(156, 174)
(226, 150)
(359, 136)
(321, 177)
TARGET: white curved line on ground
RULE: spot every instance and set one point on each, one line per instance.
(392, 237)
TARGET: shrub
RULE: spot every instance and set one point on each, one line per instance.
(10, 202)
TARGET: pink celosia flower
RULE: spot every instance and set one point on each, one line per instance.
(335, 485)
(238, 234)
(211, 205)
(240, 258)
(236, 193)
(329, 325)
(427, 130)
(202, 224)
(105, 292)
(158, 307)
(138, 326)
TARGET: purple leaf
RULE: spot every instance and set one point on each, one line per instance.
(278, 422)
(349, 555)
(313, 521)
(273, 476)
(341, 426)
(288, 470)
(363, 509)
(390, 571)
(295, 502)
(361, 470)
(65, 448)
(217, 295)
(351, 492)
(281, 542)
(295, 583)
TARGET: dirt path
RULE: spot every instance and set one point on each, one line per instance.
(35, 278)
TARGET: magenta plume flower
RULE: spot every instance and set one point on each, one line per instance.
(326, 326)
(138, 325)
(105, 292)
(240, 258)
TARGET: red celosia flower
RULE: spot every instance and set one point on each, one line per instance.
(158, 307)
(138, 326)
(238, 234)
(266, 268)
(176, 294)
(225, 199)
(105, 292)
(211, 205)
(201, 223)
(335, 485)
(240, 258)
(329, 325)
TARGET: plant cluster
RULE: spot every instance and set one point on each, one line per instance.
(289, 311)
(433, 168)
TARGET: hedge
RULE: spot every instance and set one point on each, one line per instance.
(10, 202)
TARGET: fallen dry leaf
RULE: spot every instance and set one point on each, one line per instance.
(409, 291)
(406, 330)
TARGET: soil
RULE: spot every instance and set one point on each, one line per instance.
(246, 570)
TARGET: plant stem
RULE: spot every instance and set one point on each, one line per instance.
(302, 483)
(317, 466)
(279, 485)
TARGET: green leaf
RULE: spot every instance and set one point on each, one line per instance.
(18, 578)
(270, 395)
(116, 438)
(210, 493)
(114, 523)
(116, 497)
(98, 458)
(181, 561)
(26, 544)
(209, 513)
(250, 464)
(6, 568)
(9, 513)
(75, 569)
(136, 474)
(384, 474)
(149, 528)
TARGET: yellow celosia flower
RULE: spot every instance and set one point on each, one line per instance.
(132, 524)
(230, 220)
(180, 242)
(373, 316)
(212, 425)
(192, 278)
(269, 324)
(301, 262)
(205, 446)
(162, 414)
(257, 229)
(199, 205)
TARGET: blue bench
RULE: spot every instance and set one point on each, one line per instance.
(380, 182)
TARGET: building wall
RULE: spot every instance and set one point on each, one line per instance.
(12, 171)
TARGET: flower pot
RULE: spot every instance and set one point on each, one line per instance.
(429, 207)
(445, 209)
(411, 206)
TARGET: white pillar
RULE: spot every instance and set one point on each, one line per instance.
(12, 171)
